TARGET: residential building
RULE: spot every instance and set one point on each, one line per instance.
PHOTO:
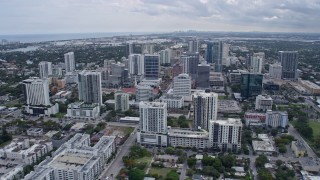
(136, 64)
(129, 48)
(225, 134)
(256, 63)
(190, 63)
(276, 119)
(298, 148)
(251, 85)
(289, 63)
(121, 101)
(263, 103)
(89, 87)
(182, 85)
(202, 81)
(205, 109)
(69, 61)
(165, 56)
(172, 101)
(188, 138)
(45, 69)
(275, 71)
(193, 46)
(144, 93)
(81, 110)
(76, 159)
(151, 66)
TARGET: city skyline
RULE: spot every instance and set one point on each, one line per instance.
(22, 17)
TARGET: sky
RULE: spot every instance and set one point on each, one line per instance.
(85, 16)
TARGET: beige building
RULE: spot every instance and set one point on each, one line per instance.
(298, 148)
(310, 86)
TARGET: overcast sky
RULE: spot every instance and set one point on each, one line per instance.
(78, 16)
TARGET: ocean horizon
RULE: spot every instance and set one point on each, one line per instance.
(33, 38)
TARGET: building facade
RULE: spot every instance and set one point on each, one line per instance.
(121, 101)
(89, 87)
(251, 85)
(202, 81)
(144, 93)
(136, 64)
(165, 56)
(172, 101)
(69, 61)
(151, 66)
(205, 109)
(182, 85)
(289, 63)
(263, 103)
(45, 69)
(188, 138)
(256, 63)
(81, 110)
(275, 71)
(276, 119)
(190, 63)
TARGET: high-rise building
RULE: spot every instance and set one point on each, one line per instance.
(251, 84)
(121, 101)
(190, 63)
(153, 117)
(36, 92)
(275, 71)
(225, 55)
(69, 62)
(225, 134)
(129, 48)
(214, 54)
(205, 109)
(209, 57)
(147, 49)
(144, 93)
(256, 62)
(203, 76)
(193, 46)
(263, 103)
(276, 119)
(182, 85)
(165, 56)
(89, 87)
(45, 69)
(136, 64)
(289, 63)
(151, 66)
(177, 69)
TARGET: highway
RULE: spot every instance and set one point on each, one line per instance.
(113, 169)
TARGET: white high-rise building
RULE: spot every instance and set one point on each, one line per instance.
(225, 134)
(193, 46)
(89, 87)
(263, 103)
(45, 69)
(165, 56)
(275, 70)
(69, 62)
(182, 85)
(136, 64)
(153, 117)
(276, 119)
(205, 109)
(36, 92)
(144, 93)
(121, 101)
(256, 63)
(225, 54)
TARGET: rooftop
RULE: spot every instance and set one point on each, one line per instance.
(263, 146)
(187, 133)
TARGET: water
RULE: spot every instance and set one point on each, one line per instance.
(26, 49)
(31, 38)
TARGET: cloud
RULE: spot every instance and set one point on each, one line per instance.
(58, 16)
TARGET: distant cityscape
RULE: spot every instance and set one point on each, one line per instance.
(177, 106)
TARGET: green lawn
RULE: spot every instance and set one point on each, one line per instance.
(144, 160)
(315, 125)
(160, 171)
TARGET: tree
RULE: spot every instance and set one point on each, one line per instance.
(282, 148)
(191, 162)
(228, 160)
(264, 174)
(274, 132)
(136, 174)
(279, 162)
(261, 160)
(172, 175)
(170, 150)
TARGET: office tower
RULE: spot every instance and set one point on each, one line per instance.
(89, 87)
(136, 64)
(225, 55)
(36, 92)
(205, 109)
(119, 74)
(69, 62)
(177, 69)
(153, 117)
(225, 134)
(251, 85)
(151, 66)
(256, 62)
(121, 101)
(263, 103)
(214, 54)
(165, 56)
(147, 49)
(275, 71)
(289, 63)
(45, 69)
(190, 63)
(144, 93)
(276, 119)
(203, 76)
(193, 46)
(182, 85)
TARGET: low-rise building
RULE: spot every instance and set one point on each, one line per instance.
(35, 132)
(172, 101)
(298, 148)
(188, 138)
(127, 119)
(263, 103)
(313, 88)
(255, 119)
(228, 106)
(216, 79)
(83, 111)
(263, 146)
